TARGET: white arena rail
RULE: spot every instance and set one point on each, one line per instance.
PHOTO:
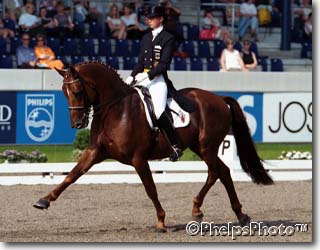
(163, 172)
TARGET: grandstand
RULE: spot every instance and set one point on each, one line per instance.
(95, 43)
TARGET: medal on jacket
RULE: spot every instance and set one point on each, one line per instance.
(157, 52)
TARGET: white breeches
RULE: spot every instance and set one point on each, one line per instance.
(158, 91)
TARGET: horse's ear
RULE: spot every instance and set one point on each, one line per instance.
(73, 71)
(62, 72)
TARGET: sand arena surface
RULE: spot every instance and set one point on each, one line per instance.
(124, 213)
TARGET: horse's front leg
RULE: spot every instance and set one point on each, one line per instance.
(87, 160)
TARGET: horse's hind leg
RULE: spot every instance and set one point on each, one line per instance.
(143, 170)
(211, 179)
(225, 177)
(88, 159)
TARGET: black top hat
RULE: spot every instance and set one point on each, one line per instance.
(156, 11)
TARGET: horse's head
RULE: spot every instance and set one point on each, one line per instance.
(74, 88)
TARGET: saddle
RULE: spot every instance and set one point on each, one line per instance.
(178, 116)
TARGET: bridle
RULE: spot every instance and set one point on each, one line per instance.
(85, 97)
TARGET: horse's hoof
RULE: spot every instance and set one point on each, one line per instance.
(197, 217)
(245, 221)
(160, 230)
(42, 204)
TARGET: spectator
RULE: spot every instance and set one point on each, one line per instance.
(172, 19)
(304, 9)
(30, 23)
(51, 6)
(248, 17)
(25, 55)
(14, 9)
(47, 22)
(114, 23)
(264, 9)
(130, 20)
(4, 32)
(248, 57)
(45, 56)
(211, 28)
(96, 11)
(80, 12)
(63, 22)
(308, 29)
(230, 59)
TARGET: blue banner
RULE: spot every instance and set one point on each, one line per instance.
(43, 118)
(251, 104)
(7, 117)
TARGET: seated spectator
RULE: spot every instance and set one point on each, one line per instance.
(47, 22)
(80, 12)
(96, 11)
(248, 57)
(14, 9)
(248, 17)
(4, 32)
(63, 22)
(308, 29)
(51, 7)
(114, 23)
(264, 9)
(230, 59)
(130, 20)
(29, 22)
(303, 10)
(45, 56)
(211, 28)
(26, 58)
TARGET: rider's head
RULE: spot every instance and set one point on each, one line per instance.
(155, 17)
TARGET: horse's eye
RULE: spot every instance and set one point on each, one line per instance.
(77, 94)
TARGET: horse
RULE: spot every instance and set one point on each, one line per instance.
(120, 131)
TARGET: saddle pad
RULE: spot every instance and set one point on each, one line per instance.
(180, 117)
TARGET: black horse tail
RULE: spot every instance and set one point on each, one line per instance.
(249, 159)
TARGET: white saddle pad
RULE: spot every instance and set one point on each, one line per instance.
(181, 118)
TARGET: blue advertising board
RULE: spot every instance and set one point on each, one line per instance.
(252, 106)
(7, 117)
(43, 118)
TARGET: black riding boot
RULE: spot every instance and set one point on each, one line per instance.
(167, 128)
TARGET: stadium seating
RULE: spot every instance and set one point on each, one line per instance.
(254, 48)
(87, 47)
(70, 47)
(77, 59)
(196, 64)
(213, 64)
(219, 46)
(6, 62)
(9, 24)
(276, 65)
(104, 47)
(180, 63)
(193, 32)
(128, 63)
(113, 62)
(3, 46)
(306, 50)
(237, 46)
(188, 46)
(122, 48)
(263, 63)
(204, 49)
(135, 48)
(14, 44)
(95, 30)
(54, 44)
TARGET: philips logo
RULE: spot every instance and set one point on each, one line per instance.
(40, 102)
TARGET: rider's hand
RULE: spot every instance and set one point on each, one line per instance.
(141, 76)
(129, 80)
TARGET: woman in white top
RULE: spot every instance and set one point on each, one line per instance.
(130, 20)
(115, 25)
(230, 59)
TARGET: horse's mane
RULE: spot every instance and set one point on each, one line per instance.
(107, 66)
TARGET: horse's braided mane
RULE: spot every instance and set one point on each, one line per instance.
(107, 66)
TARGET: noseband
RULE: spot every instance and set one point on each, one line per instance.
(85, 98)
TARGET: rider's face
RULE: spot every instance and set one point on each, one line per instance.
(155, 22)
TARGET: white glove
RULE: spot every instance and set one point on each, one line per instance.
(129, 80)
(141, 76)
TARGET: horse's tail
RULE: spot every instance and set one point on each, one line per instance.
(249, 159)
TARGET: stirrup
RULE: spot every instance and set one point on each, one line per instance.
(176, 153)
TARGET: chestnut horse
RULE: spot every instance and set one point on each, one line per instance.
(121, 131)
